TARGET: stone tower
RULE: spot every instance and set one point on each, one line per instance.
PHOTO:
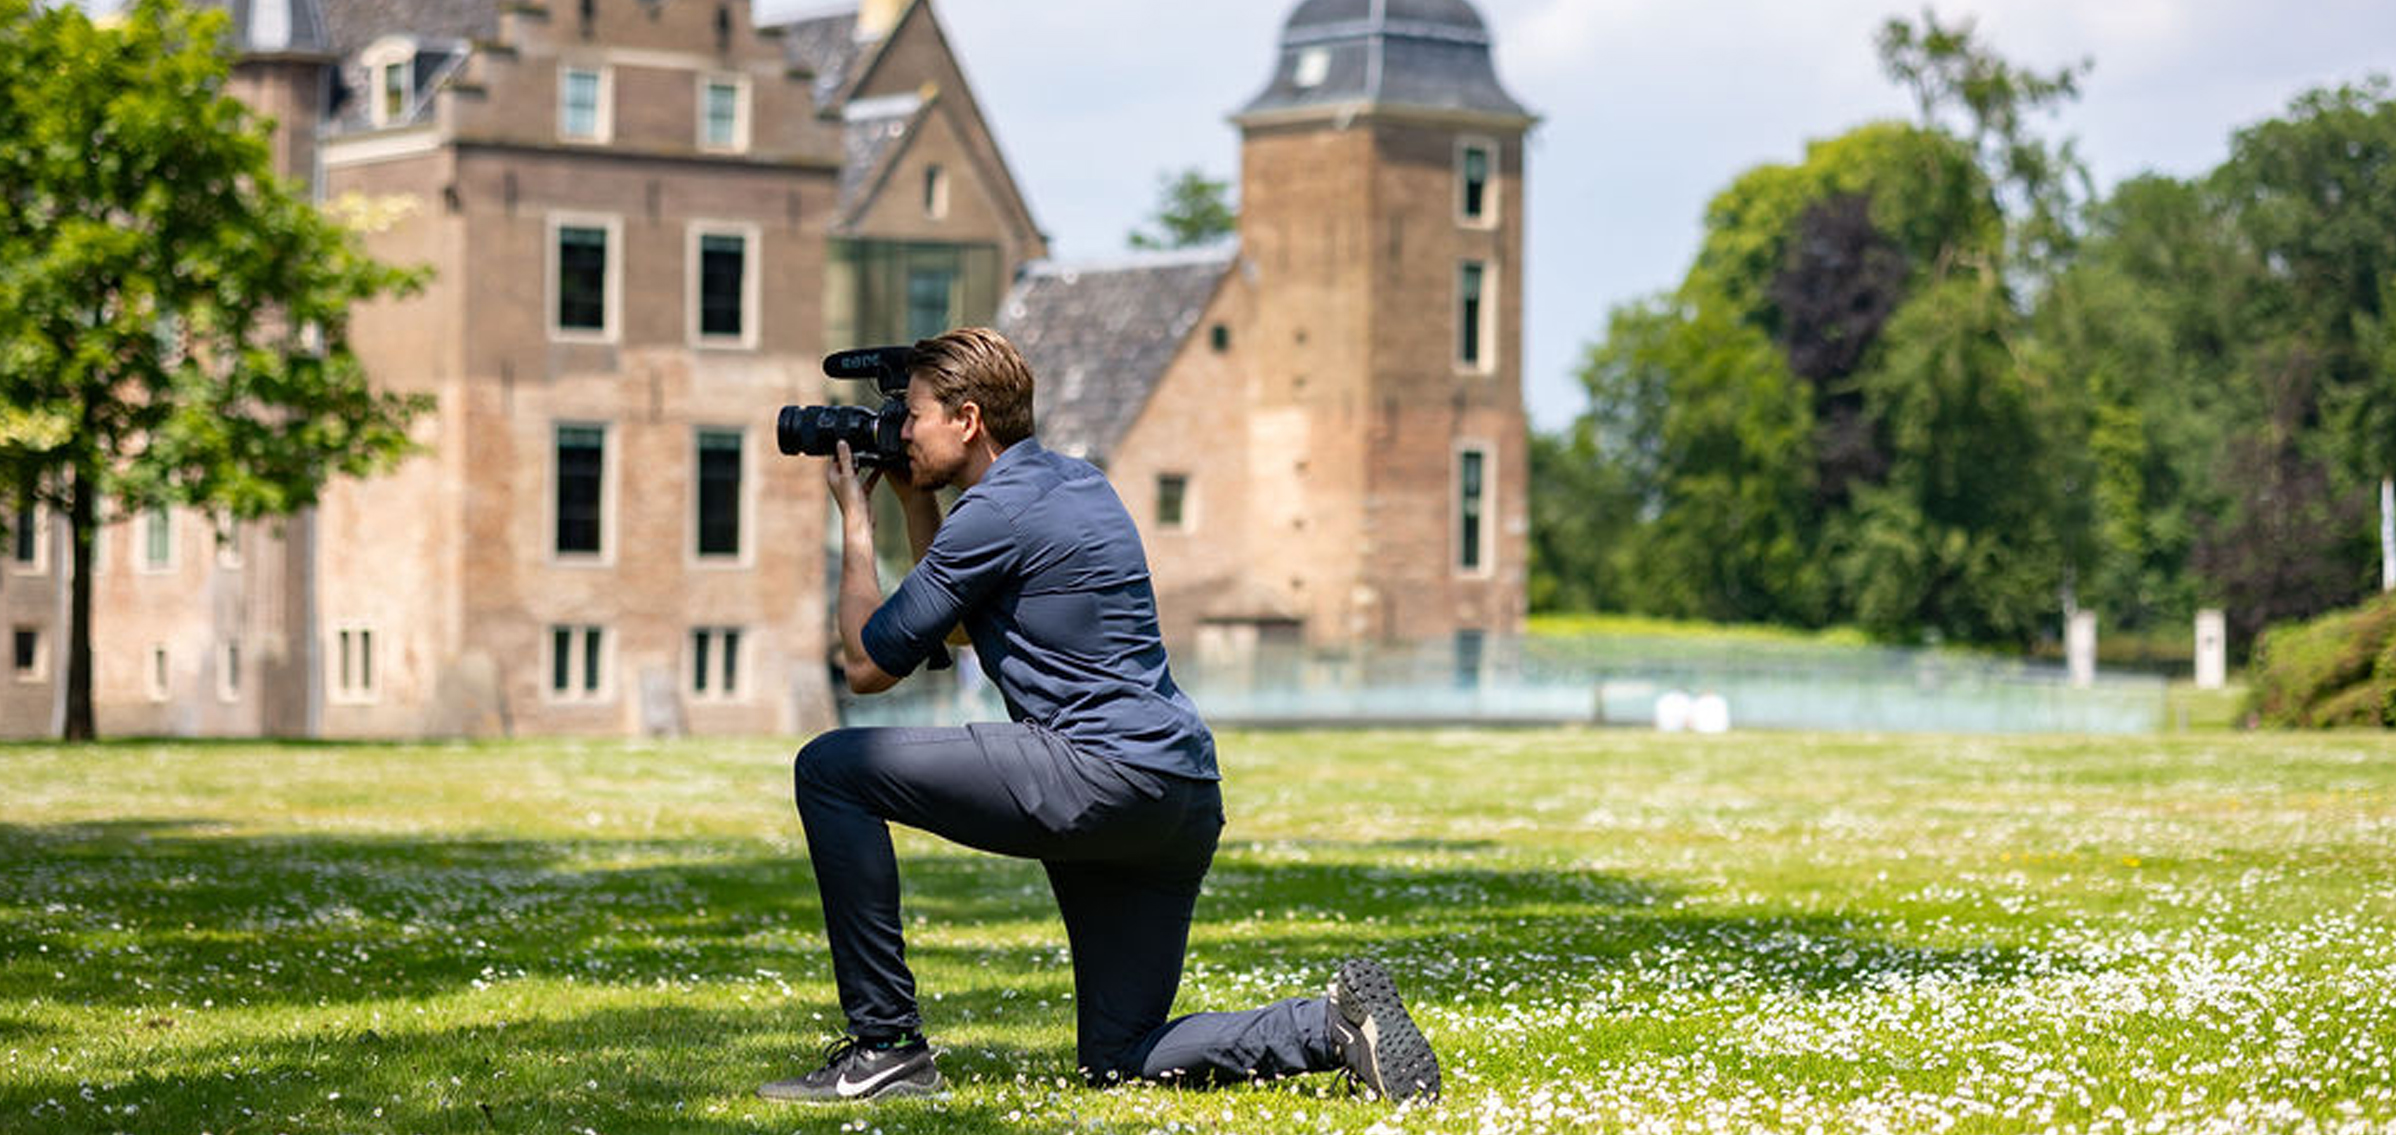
(1382, 209)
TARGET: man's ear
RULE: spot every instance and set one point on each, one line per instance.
(970, 413)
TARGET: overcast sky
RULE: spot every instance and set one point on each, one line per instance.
(1648, 108)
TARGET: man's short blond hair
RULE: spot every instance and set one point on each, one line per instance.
(978, 365)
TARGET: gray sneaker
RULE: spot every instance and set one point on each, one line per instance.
(854, 1070)
(1385, 1054)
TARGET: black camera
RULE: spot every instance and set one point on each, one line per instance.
(873, 435)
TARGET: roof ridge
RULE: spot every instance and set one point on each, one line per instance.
(1222, 252)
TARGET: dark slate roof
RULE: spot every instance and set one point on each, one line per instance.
(1419, 54)
(875, 130)
(276, 27)
(354, 24)
(1099, 337)
(826, 45)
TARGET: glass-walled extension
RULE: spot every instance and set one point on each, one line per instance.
(889, 291)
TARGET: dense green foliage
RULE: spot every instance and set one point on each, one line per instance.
(1926, 383)
(172, 315)
(2337, 670)
(1191, 209)
(1600, 930)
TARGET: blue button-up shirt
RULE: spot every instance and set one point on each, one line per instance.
(1044, 567)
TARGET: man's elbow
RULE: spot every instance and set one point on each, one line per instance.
(867, 678)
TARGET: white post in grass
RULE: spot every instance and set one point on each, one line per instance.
(2387, 533)
(2079, 648)
(2212, 649)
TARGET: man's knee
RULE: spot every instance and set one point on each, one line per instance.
(820, 759)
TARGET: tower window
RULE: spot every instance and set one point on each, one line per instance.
(1472, 509)
(1472, 183)
(1472, 313)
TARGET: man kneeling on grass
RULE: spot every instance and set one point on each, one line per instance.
(1106, 775)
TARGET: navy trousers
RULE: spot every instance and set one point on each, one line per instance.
(1125, 850)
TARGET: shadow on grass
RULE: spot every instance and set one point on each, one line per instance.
(139, 915)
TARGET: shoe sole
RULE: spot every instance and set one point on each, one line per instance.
(1402, 1060)
(896, 1089)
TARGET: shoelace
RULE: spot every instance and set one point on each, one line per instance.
(840, 1050)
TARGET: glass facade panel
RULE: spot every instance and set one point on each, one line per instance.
(889, 291)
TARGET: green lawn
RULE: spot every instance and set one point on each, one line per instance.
(1599, 930)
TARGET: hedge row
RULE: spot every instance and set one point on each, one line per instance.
(2337, 670)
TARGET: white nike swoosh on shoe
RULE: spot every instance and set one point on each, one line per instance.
(851, 1089)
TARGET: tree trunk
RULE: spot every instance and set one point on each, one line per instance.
(83, 510)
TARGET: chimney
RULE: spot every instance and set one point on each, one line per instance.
(875, 18)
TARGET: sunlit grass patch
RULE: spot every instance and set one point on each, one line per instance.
(1599, 930)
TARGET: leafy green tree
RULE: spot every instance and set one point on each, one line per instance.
(2144, 336)
(1191, 209)
(2314, 194)
(1959, 84)
(172, 315)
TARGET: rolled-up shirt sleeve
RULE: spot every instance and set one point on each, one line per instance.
(968, 557)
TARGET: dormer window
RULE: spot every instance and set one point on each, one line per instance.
(394, 88)
(1314, 64)
(390, 74)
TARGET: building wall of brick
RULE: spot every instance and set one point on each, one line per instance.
(1196, 426)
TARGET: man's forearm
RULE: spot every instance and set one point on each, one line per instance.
(860, 585)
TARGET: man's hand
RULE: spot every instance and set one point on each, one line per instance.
(854, 497)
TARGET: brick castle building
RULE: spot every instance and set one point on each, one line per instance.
(648, 221)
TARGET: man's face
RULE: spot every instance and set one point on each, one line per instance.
(935, 440)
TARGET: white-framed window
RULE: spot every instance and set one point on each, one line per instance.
(716, 669)
(935, 191)
(29, 654)
(157, 540)
(583, 497)
(719, 462)
(228, 545)
(154, 675)
(577, 655)
(1476, 182)
(351, 659)
(1476, 303)
(1476, 479)
(586, 104)
(29, 540)
(1173, 502)
(723, 284)
(724, 113)
(228, 670)
(586, 277)
(390, 65)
